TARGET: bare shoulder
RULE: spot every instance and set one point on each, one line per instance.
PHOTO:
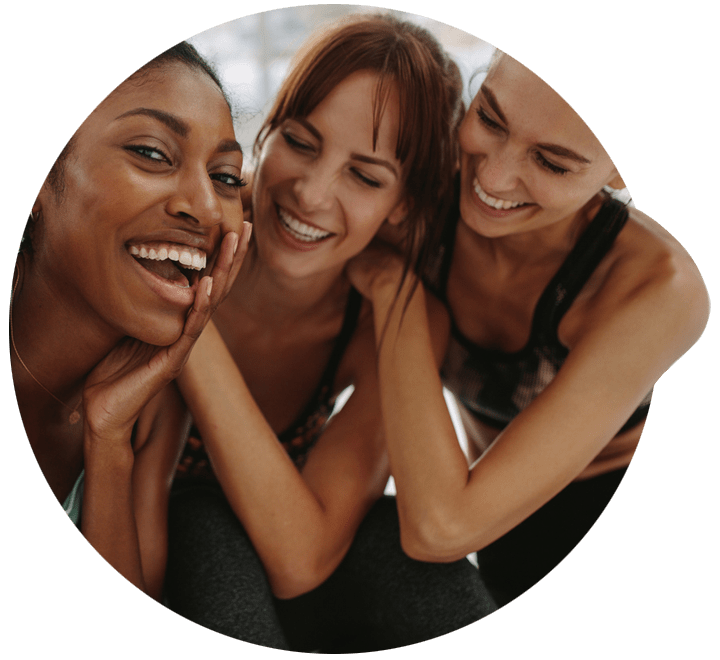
(651, 258)
(647, 269)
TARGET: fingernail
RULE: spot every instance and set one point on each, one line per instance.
(209, 287)
(236, 242)
(248, 229)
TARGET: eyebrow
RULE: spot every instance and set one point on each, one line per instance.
(175, 124)
(178, 126)
(370, 160)
(492, 102)
(228, 146)
(564, 152)
(556, 149)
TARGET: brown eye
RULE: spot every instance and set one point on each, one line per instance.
(150, 153)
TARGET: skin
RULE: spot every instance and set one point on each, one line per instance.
(643, 307)
(253, 371)
(94, 325)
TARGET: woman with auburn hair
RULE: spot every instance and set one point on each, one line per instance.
(293, 549)
(562, 308)
(132, 242)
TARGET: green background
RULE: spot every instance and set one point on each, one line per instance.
(642, 583)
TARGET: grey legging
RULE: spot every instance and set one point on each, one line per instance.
(378, 598)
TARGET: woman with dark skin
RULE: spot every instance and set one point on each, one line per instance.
(134, 239)
(339, 159)
(562, 309)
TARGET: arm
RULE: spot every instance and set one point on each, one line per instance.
(117, 479)
(446, 510)
(301, 524)
(126, 511)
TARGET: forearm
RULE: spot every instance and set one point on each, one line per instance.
(108, 520)
(289, 523)
(426, 460)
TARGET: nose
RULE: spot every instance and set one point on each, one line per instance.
(196, 199)
(314, 188)
(498, 170)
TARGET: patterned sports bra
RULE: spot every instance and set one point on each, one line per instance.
(495, 386)
(300, 437)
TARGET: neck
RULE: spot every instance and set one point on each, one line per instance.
(544, 248)
(57, 341)
(264, 292)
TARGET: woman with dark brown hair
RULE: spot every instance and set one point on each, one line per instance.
(132, 242)
(360, 139)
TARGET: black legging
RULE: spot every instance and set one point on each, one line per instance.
(528, 552)
(378, 598)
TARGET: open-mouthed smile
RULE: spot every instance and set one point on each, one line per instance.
(299, 230)
(494, 202)
(171, 269)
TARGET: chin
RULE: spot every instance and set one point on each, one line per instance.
(158, 330)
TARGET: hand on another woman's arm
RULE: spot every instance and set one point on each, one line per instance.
(123, 460)
(447, 511)
(301, 523)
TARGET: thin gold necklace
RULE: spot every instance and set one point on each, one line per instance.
(74, 417)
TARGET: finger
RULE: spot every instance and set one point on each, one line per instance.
(195, 322)
(224, 282)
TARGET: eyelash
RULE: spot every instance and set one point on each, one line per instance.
(142, 151)
(237, 182)
(539, 158)
(551, 167)
(485, 119)
(294, 143)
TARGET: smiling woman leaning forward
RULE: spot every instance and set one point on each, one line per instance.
(132, 242)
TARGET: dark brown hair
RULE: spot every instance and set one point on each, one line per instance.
(429, 86)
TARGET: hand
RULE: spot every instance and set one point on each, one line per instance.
(377, 268)
(124, 382)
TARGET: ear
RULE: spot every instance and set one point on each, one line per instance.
(399, 213)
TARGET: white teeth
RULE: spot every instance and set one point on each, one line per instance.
(300, 230)
(499, 204)
(188, 257)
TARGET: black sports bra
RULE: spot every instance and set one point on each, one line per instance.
(299, 438)
(494, 385)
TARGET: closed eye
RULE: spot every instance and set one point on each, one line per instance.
(551, 167)
(489, 121)
(364, 179)
(295, 143)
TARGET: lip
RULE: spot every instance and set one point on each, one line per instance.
(171, 293)
(181, 237)
(167, 291)
(289, 240)
(491, 211)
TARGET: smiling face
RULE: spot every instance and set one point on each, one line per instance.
(150, 186)
(528, 160)
(321, 190)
